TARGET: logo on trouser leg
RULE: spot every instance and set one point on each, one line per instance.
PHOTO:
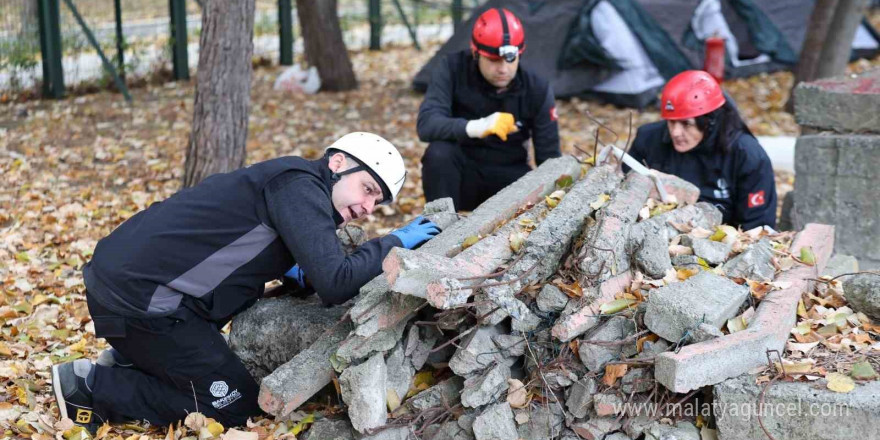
(83, 416)
(226, 401)
(219, 388)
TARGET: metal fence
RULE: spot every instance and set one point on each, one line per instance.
(51, 45)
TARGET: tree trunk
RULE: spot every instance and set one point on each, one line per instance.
(223, 87)
(820, 22)
(29, 22)
(838, 44)
(828, 43)
(324, 47)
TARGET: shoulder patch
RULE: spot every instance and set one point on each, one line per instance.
(756, 199)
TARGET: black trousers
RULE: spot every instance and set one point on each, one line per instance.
(181, 363)
(447, 171)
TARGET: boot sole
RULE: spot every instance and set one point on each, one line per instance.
(59, 396)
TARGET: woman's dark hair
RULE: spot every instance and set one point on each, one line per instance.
(726, 123)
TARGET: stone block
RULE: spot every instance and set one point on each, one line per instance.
(714, 252)
(443, 394)
(291, 384)
(843, 103)
(596, 428)
(327, 429)
(363, 390)
(796, 410)
(863, 294)
(753, 263)
(477, 352)
(702, 298)
(274, 330)
(480, 390)
(496, 423)
(587, 315)
(545, 422)
(648, 243)
(840, 264)
(551, 299)
(595, 356)
(580, 396)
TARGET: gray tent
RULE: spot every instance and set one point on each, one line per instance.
(623, 51)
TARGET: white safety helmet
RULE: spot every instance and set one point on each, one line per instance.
(378, 157)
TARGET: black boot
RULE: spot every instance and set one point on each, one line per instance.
(72, 383)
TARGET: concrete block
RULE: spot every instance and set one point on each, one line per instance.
(604, 253)
(363, 390)
(409, 272)
(402, 433)
(444, 393)
(480, 390)
(274, 330)
(596, 428)
(607, 404)
(595, 356)
(753, 263)
(291, 384)
(637, 380)
(356, 348)
(551, 299)
(840, 264)
(702, 298)
(648, 243)
(545, 422)
(683, 430)
(710, 362)
(400, 371)
(837, 179)
(447, 431)
(510, 345)
(580, 396)
(327, 429)
(703, 215)
(444, 204)
(530, 188)
(586, 316)
(843, 103)
(685, 193)
(714, 252)
(477, 352)
(796, 410)
(863, 294)
(496, 423)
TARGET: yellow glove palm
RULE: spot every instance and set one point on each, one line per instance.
(500, 124)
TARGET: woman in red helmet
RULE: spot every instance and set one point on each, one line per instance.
(480, 109)
(704, 141)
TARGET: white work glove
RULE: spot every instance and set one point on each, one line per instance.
(498, 123)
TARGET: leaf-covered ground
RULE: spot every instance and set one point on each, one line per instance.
(72, 170)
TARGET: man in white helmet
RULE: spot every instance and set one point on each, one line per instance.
(163, 283)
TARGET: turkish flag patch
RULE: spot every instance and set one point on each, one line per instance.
(756, 199)
(553, 115)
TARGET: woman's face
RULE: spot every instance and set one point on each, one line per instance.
(685, 134)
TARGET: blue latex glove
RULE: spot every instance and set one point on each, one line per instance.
(416, 232)
(296, 274)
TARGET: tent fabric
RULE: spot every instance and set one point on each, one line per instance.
(622, 51)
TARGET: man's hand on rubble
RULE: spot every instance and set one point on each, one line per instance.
(416, 232)
(498, 123)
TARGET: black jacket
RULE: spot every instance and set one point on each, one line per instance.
(740, 182)
(458, 93)
(211, 248)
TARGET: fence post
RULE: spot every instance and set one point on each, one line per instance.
(457, 9)
(179, 56)
(375, 7)
(50, 47)
(120, 38)
(285, 31)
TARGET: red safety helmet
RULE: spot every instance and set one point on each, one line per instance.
(498, 34)
(690, 94)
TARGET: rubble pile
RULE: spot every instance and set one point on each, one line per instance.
(573, 304)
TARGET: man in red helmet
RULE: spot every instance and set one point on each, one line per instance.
(479, 110)
(704, 141)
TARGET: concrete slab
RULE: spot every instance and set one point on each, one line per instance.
(714, 361)
(845, 103)
(363, 390)
(588, 315)
(796, 410)
(675, 309)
